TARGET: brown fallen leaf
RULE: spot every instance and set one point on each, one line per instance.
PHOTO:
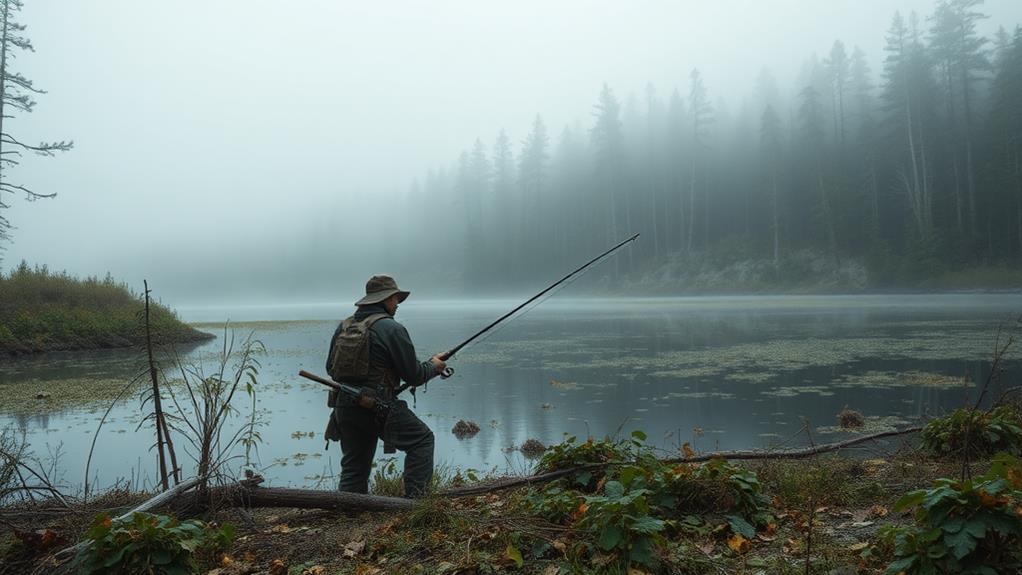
(552, 570)
(559, 545)
(738, 544)
(769, 534)
(858, 546)
(277, 567)
(364, 569)
(707, 546)
(314, 570)
(353, 548)
(281, 528)
(878, 511)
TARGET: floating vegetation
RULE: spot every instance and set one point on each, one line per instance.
(532, 448)
(465, 429)
(871, 424)
(758, 361)
(565, 385)
(792, 391)
(35, 396)
(695, 395)
(891, 379)
(268, 325)
(850, 419)
(301, 434)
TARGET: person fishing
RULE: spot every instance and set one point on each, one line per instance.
(370, 354)
(373, 352)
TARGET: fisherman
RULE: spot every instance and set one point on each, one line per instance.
(373, 351)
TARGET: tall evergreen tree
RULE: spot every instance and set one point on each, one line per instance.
(17, 94)
(608, 151)
(700, 115)
(770, 144)
(838, 70)
(908, 95)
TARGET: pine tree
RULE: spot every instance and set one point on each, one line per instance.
(837, 66)
(17, 94)
(770, 143)
(608, 151)
(700, 115)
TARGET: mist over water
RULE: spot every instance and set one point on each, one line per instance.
(719, 373)
(473, 150)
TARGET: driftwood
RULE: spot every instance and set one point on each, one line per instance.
(239, 495)
(795, 453)
(245, 494)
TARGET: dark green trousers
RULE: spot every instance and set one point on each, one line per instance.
(360, 432)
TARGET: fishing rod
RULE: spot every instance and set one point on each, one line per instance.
(449, 371)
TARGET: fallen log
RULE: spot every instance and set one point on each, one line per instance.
(245, 495)
(794, 453)
(239, 495)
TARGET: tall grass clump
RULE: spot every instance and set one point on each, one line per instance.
(45, 311)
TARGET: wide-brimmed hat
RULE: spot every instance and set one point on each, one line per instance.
(379, 288)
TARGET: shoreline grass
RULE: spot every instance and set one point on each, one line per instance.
(41, 311)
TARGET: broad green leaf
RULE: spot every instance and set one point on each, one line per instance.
(647, 524)
(610, 537)
(741, 526)
(614, 489)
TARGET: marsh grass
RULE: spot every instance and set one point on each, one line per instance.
(830, 480)
(386, 479)
(45, 311)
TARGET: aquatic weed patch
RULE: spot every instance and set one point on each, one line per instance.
(758, 361)
(35, 396)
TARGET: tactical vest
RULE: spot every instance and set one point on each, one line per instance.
(349, 360)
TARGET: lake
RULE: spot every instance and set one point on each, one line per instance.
(715, 372)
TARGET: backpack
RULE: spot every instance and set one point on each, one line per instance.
(349, 351)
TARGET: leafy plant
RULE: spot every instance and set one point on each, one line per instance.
(148, 543)
(570, 454)
(630, 505)
(622, 520)
(972, 526)
(975, 432)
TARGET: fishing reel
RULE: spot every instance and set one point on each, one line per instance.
(446, 372)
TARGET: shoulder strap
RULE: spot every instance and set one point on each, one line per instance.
(369, 321)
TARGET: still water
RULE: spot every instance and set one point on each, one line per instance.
(718, 373)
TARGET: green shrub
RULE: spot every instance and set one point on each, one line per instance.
(148, 543)
(973, 431)
(970, 526)
(630, 505)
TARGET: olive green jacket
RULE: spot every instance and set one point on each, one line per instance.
(391, 347)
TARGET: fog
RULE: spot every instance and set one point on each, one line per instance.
(253, 151)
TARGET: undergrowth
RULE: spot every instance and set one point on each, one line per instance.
(147, 543)
(630, 507)
(972, 526)
(968, 432)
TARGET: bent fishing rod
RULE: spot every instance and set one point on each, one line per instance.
(449, 371)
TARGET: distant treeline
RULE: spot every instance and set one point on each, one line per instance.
(915, 171)
(44, 311)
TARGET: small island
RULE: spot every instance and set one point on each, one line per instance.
(43, 311)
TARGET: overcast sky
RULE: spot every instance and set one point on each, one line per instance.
(200, 126)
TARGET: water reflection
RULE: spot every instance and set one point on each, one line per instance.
(721, 373)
